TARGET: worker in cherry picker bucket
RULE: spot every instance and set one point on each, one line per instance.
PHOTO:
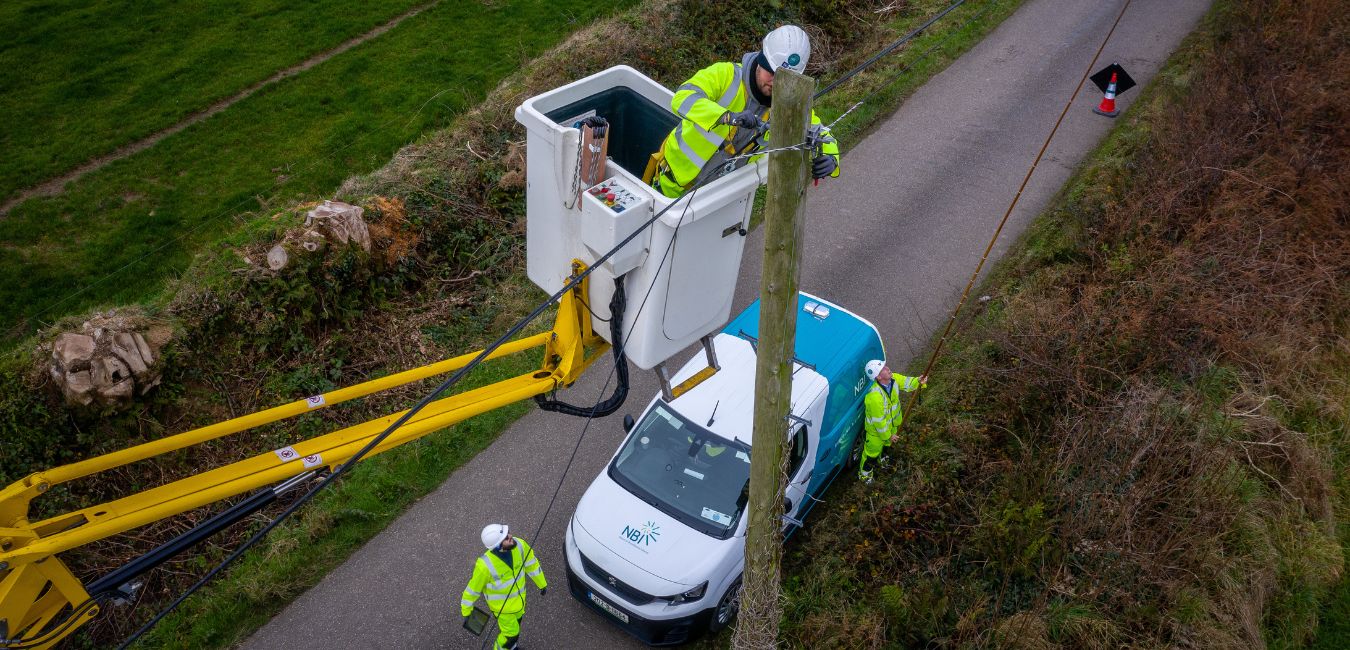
(725, 107)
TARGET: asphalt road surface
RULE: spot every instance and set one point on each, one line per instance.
(894, 239)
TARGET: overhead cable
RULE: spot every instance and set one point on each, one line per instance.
(887, 50)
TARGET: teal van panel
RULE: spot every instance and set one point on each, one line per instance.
(837, 345)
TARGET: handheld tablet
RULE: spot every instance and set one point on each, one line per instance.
(476, 621)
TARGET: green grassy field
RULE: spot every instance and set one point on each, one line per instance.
(77, 81)
(115, 235)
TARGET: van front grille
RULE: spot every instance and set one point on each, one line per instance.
(628, 593)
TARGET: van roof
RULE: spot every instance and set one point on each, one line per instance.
(828, 336)
(727, 398)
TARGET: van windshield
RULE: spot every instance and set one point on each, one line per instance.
(685, 471)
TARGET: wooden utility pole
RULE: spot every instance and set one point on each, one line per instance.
(761, 608)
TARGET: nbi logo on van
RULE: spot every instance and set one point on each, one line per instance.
(644, 534)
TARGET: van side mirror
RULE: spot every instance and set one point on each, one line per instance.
(627, 423)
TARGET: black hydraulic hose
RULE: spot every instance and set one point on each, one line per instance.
(112, 582)
(110, 586)
(612, 404)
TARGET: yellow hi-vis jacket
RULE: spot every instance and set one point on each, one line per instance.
(502, 586)
(882, 407)
(699, 146)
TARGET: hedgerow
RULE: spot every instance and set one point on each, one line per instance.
(1140, 440)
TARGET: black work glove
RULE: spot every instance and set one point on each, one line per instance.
(744, 119)
(823, 166)
(543, 591)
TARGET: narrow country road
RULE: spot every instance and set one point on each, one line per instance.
(895, 238)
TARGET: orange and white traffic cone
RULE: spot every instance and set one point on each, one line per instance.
(1108, 105)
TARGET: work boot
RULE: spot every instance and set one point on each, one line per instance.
(884, 461)
(865, 477)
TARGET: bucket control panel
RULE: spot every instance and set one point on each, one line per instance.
(611, 210)
(614, 195)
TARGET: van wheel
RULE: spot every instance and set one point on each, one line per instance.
(727, 607)
(856, 455)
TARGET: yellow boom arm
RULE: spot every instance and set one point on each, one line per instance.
(36, 588)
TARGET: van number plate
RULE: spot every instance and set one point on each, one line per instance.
(609, 608)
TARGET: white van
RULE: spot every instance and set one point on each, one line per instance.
(657, 541)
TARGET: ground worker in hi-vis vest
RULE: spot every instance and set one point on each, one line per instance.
(725, 107)
(499, 578)
(882, 412)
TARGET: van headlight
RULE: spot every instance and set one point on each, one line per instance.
(693, 594)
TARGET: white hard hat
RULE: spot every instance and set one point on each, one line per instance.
(872, 369)
(787, 47)
(493, 535)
